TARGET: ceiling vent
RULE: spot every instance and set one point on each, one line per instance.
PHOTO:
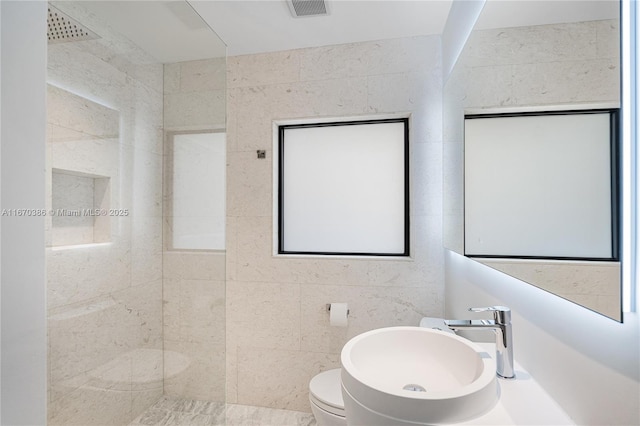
(300, 8)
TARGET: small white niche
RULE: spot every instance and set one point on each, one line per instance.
(80, 207)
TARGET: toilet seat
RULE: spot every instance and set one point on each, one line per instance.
(325, 392)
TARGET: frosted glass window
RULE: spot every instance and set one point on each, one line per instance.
(541, 185)
(198, 191)
(343, 188)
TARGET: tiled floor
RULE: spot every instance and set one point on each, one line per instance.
(181, 412)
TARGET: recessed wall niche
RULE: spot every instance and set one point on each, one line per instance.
(84, 147)
(80, 207)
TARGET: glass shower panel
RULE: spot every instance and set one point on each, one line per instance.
(194, 268)
(104, 231)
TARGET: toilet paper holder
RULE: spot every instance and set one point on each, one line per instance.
(328, 305)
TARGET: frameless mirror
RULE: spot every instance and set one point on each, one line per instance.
(524, 59)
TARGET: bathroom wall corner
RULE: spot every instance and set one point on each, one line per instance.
(462, 17)
(24, 368)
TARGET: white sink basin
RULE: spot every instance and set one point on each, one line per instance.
(415, 375)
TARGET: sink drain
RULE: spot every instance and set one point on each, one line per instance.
(414, 388)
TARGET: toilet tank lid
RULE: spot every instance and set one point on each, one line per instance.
(326, 388)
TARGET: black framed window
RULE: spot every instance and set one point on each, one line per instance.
(343, 188)
(542, 185)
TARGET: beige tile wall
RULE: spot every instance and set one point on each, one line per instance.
(278, 334)
(590, 284)
(543, 65)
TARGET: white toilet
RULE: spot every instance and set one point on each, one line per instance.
(325, 395)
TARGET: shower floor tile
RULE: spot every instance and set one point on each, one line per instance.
(183, 412)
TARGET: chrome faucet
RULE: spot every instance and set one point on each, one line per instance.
(501, 325)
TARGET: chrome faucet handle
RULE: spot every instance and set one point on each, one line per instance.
(501, 314)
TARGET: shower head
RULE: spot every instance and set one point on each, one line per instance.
(61, 28)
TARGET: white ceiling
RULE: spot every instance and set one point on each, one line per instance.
(522, 13)
(267, 25)
(170, 31)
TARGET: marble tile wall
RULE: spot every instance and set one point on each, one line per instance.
(193, 280)
(85, 135)
(278, 334)
(105, 300)
(543, 65)
(590, 284)
(559, 64)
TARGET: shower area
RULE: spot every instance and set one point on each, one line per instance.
(135, 230)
